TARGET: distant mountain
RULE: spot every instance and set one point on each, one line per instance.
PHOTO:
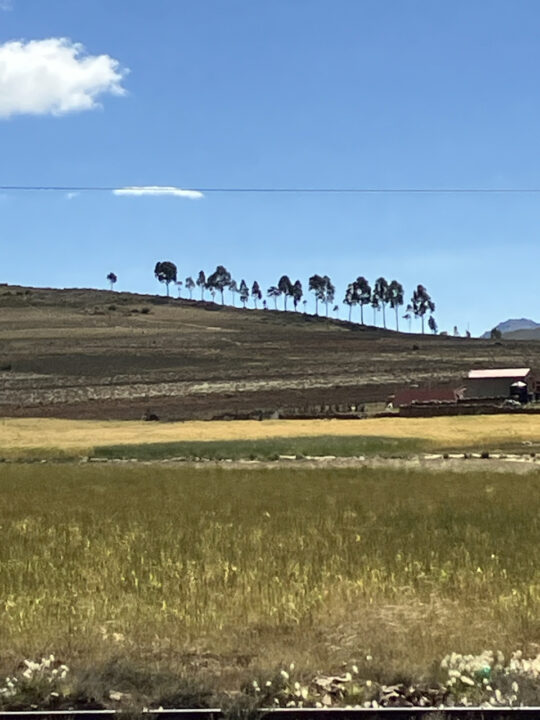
(512, 326)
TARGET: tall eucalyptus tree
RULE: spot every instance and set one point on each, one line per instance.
(380, 292)
(363, 290)
(256, 293)
(395, 298)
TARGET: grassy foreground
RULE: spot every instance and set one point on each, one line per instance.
(228, 570)
(45, 437)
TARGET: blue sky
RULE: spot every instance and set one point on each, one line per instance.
(274, 93)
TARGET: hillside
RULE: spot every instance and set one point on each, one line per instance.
(100, 354)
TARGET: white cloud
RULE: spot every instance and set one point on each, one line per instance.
(54, 76)
(71, 195)
(6, 5)
(159, 190)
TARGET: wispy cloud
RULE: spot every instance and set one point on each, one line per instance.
(71, 195)
(159, 190)
(54, 77)
(6, 5)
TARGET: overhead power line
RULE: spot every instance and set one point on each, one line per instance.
(290, 190)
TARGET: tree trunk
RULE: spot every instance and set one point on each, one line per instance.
(222, 298)
(350, 311)
(167, 284)
(422, 324)
(316, 306)
(202, 292)
(384, 315)
(326, 303)
(361, 313)
(374, 317)
(397, 320)
(284, 302)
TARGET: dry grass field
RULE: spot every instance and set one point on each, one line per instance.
(238, 572)
(82, 436)
(108, 355)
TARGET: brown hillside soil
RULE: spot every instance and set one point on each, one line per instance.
(99, 354)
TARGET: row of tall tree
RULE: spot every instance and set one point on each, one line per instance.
(383, 295)
(389, 294)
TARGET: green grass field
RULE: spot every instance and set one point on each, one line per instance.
(266, 566)
(267, 449)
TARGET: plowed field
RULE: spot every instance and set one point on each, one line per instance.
(104, 355)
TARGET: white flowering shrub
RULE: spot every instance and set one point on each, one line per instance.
(489, 679)
(287, 689)
(485, 680)
(35, 685)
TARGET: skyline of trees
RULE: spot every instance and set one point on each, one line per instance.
(358, 293)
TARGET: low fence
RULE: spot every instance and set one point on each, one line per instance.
(395, 713)
(422, 410)
(344, 411)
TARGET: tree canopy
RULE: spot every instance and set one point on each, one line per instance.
(420, 303)
(351, 297)
(112, 278)
(324, 290)
(285, 287)
(189, 284)
(256, 293)
(363, 290)
(395, 298)
(274, 292)
(201, 282)
(380, 296)
(165, 271)
(297, 293)
(244, 293)
(219, 280)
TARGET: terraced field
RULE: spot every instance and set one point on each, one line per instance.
(103, 355)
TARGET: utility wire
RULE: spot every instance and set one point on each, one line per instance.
(289, 190)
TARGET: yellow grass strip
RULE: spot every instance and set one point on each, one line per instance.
(27, 433)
